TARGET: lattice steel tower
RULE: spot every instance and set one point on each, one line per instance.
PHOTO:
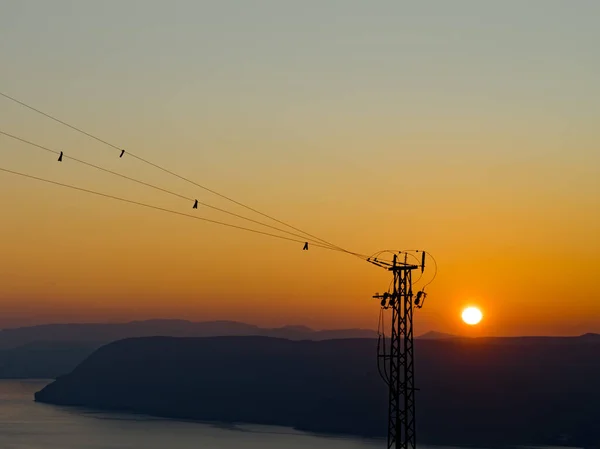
(396, 366)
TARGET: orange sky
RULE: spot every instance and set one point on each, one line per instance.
(479, 144)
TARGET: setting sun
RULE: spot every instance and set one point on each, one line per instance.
(472, 315)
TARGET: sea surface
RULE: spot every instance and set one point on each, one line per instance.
(25, 424)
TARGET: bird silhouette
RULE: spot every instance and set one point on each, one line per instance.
(60, 157)
(305, 246)
(122, 153)
(195, 204)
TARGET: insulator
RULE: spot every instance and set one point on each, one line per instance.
(423, 262)
(420, 299)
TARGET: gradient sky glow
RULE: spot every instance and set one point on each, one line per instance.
(467, 128)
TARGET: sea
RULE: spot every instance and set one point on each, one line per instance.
(25, 424)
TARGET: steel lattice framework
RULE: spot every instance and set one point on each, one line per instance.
(397, 365)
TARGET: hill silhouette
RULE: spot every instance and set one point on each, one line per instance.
(433, 335)
(500, 391)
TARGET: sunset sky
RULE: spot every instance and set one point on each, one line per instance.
(467, 128)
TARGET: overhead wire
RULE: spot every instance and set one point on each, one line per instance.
(141, 159)
(434, 264)
(323, 242)
(381, 348)
(20, 139)
(376, 257)
(150, 206)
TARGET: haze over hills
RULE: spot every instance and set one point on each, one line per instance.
(433, 335)
(488, 391)
(50, 350)
(107, 332)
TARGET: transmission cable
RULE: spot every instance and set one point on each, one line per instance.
(150, 206)
(122, 152)
(152, 186)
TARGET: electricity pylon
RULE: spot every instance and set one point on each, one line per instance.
(397, 366)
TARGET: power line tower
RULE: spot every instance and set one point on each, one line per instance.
(396, 366)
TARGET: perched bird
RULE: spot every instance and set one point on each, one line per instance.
(122, 153)
(305, 246)
(60, 157)
(195, 204)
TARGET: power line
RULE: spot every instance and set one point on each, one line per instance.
(122, 151)
(162, 209)
(152, 186)
(60, 121)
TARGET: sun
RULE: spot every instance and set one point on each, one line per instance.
(472, 315)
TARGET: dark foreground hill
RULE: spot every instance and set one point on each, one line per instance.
(480, 391)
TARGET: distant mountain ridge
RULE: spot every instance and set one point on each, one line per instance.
(101, 333)
(433, 335)
(107, 332)
(50, 350)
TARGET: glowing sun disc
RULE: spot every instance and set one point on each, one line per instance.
(472, 315)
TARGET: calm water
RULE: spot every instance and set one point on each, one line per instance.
(25, 424)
